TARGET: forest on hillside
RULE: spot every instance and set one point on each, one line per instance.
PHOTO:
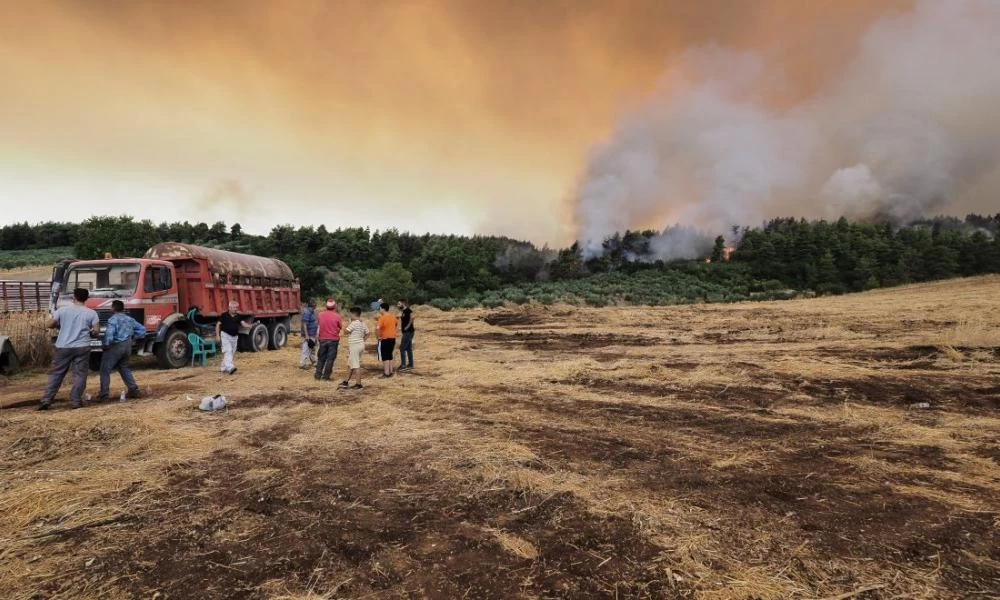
(781, 258)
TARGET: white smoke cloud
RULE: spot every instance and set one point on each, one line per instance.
(679, 243)
(907, 128)
(850, 192)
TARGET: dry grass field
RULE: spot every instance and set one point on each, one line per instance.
(826, 448)
(27, 273)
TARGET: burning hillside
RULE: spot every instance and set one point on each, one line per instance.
(906, 129)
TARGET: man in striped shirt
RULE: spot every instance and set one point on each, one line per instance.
(118, 336)
(357, 333)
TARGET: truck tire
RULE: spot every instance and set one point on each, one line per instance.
(94, 360)
(279, 335)
(8, 358)
(259, 338)
(175, 351)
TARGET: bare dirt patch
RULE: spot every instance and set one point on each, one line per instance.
(807, 484)
(552, 342)
(515, 319)
(922, 357)
(363, 523)
(746, 395)
(947, 394)
(333, 397)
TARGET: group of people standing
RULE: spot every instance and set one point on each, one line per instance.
(321, 334)
(77, 324)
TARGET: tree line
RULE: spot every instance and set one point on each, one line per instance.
(847, 257)
(358, 263)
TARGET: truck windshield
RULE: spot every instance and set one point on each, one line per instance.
(103, 281)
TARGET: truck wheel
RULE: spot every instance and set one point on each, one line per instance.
(8, 359)
(259, 338)
(95, 361)
(175, 351)
(279, 335)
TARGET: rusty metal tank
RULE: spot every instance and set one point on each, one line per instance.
(223, 261)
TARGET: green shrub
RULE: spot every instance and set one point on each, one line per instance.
(491, 300)
(468, 302)
(392, 282)
(443, 303)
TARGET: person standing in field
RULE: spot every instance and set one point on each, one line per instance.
(118, 336)
(407, 330)
(385, 331)
(357, 333)
(330, 325)
(227, 331)
(76, 323)
(309, 329)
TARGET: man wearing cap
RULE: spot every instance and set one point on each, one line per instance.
(330, 325)
(309, 328)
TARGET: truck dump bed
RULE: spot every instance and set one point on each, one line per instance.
(208, 279)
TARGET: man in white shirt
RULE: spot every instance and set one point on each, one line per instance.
(357, 333)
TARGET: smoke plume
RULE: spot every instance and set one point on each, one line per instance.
(906, 128)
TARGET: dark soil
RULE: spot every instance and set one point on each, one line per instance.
(907, 357)
(544, 341)
(807, 484)
(938, 392)
(287, 398)
(515, 319)
(735, 394)
(361, 523)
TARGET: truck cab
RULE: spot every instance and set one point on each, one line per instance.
(147, 287)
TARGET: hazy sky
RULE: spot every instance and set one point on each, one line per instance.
(463, 116)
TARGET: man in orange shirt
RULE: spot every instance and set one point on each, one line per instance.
(385, 331)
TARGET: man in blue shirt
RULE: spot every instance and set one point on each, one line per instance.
(118, 336)
(309, 328)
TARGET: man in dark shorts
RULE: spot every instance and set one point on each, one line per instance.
(407, 329)
(385, 330)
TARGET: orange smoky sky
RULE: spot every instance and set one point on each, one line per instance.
(444, 116)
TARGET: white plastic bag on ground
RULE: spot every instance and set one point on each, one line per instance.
(212, 403)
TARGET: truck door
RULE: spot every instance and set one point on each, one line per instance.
(58, 272)
(158, 288)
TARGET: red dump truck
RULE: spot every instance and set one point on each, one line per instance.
(177, 289)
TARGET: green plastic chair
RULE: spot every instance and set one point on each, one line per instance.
(201, 348)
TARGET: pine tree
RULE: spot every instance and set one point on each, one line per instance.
(719, 250)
